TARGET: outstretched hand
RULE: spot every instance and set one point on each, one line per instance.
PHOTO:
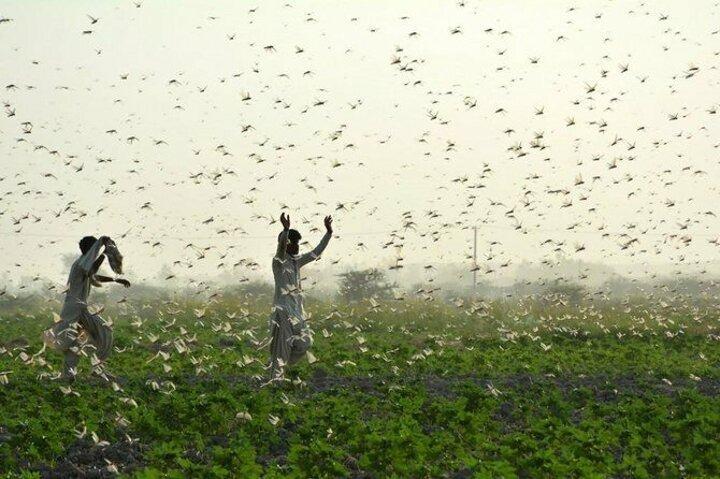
(328, 223)
(285, 220)
(124, 282)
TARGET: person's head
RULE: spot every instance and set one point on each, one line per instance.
(86, 243)
(293, 242)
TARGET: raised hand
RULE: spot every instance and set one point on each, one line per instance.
(328, 223)
(285, 220)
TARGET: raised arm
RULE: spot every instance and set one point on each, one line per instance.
(317, 252)
(282, 240)
(87, 261)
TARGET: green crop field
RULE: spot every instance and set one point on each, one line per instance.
(397, 389)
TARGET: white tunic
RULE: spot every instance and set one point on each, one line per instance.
(286, 271)
(79, 284)
(291, 338)
(75, 314)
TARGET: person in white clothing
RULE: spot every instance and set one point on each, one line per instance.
(65, 335)
(291, 337)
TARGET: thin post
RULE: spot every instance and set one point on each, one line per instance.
(474, 257)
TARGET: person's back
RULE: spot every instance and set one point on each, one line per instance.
(78, 291)
(291, 337)
(287, 285)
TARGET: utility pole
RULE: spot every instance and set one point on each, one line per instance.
(474, 258)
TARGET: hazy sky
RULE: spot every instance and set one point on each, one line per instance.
(558, 128)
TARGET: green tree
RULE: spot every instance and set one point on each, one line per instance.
(364, 284)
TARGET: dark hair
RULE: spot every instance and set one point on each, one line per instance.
(294, 236)
(86, 243)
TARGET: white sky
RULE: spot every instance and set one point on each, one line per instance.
(69, 86)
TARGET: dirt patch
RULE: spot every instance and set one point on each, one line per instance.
(367, 385)
(16, 343)
(84, 459)
(604, 387)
